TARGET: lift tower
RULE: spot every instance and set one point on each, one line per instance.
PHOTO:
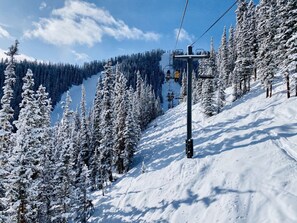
(190, 58)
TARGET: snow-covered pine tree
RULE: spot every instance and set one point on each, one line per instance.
(24, 191)
(282, 32)
(47, 175)
(291, 58)
(96, 139)
(266, 30)
(252, 37)
(231, 56)
(142, 91)
(131, 131)
(157, 107)
(223, 72)
(241, 73)
(203, 64)
(43, 133)
(286, 39)
(61, 205)
(223, 60)
(120, 109)
(136, 113)
(149, 98)
(85, 147)
(195, 97)
(76, 132)
(107, 142)
(208, 87)
(6, 115)
(137, 109)
(207, 102)
(82, 205)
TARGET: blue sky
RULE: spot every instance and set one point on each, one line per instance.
(76, 31)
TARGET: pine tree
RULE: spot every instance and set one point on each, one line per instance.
(266, 31)
(26, 162)
(208, 96)
(43, 134)
(252, 38)
(96, 139)
(231, 56)
(286, 35)
(131, 132)
(82, 204)
(223, 60)
(6, 115)
(84, 130)
(208, 87)
(61, 205)
(120, 109)
(107, 142)
(223, 72)
(241, 73)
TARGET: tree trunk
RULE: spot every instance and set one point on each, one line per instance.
(21, 213)
(288, 85)
(255, 74)
(296, 87)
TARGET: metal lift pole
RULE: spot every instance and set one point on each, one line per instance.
(189, 58)
(189, 140)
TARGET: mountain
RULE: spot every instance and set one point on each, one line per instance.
(244, 167)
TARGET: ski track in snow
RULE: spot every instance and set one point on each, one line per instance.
(244, 167)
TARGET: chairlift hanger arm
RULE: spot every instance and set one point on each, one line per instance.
(193, 56)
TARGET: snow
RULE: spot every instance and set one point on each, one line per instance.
(75, 94)
(244, 167)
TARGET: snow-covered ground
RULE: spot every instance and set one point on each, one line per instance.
(244, 167)
(75, 93)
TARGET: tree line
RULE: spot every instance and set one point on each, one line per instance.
(58, 78)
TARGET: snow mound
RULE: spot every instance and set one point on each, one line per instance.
(244, 167)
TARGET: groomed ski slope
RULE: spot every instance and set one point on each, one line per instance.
(244, 168)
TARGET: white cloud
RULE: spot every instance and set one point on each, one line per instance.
(80, 56)
(82, 23)
(184, 35)
(4, 33)
(42, 5)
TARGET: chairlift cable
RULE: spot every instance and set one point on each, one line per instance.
(215, 22)
(181, 23)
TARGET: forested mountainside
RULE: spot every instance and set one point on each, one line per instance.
(58, 78)
(50, 166)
